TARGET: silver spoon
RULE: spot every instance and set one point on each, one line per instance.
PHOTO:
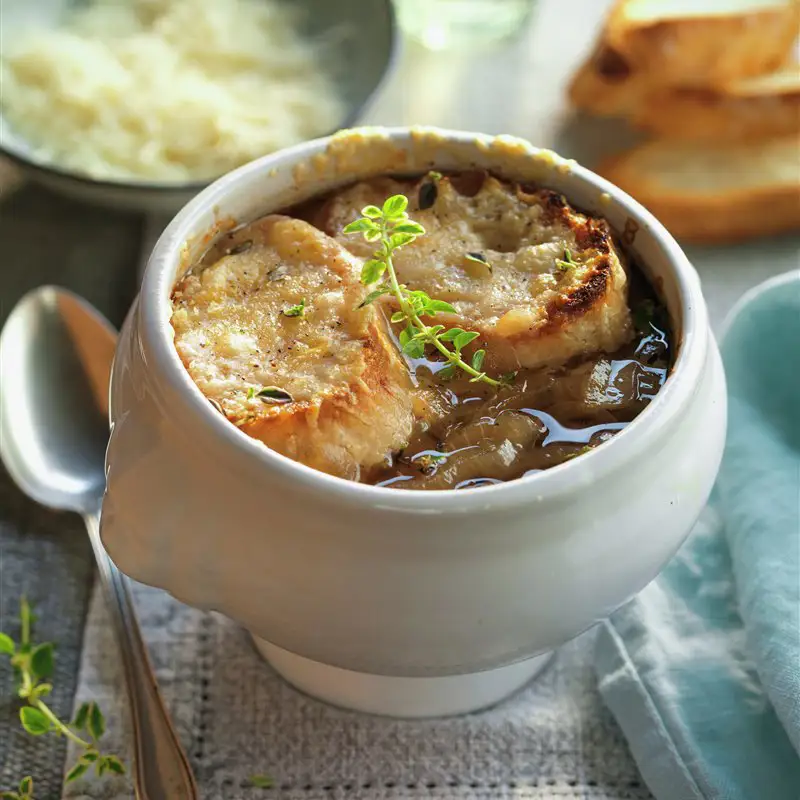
(55, 362)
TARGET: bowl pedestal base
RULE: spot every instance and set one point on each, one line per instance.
(400, 697)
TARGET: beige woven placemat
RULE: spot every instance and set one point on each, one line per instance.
(237, 718)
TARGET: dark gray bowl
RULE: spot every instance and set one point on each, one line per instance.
(363, 52)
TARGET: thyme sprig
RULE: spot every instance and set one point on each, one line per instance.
(391, 227)
(566, 263)
(24, 791)
(298, 310)
(33, 665)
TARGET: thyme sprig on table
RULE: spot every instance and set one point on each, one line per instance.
(392, 229)
(23, 792)
(33, 665)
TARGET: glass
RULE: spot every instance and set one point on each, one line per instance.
(456, 24)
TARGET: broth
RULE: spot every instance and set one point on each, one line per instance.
(480, 436)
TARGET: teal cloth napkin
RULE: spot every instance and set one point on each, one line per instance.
(702, 669)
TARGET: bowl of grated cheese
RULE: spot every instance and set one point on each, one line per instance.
(142, 103)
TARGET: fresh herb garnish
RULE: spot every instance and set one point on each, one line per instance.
(298, 310)
(428, 192)
(567, 262)
(383, 288)
(391, 227)
(24, 792)
(477, 359)
(33, 665)
(427, 462)
(251, 392)
(643, 315)
(272, 394)
(479, 258)
(585, 449)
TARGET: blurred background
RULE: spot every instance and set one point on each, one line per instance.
(118, 104)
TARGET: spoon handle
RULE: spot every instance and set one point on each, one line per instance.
(161, 769)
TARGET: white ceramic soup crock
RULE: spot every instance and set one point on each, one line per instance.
(400, 602)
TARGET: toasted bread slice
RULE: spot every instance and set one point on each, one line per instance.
(650, 46)
(496, 252)
(714, 192)
(691, 42)
(324, 385)
(762, 107)
(607, 84)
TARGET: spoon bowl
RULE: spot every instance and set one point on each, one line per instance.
(55, 355)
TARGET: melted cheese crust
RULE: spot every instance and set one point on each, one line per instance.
(529, 309)
(350, 397)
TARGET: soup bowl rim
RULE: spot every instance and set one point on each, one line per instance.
(153, 310)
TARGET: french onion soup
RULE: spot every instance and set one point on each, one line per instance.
(440, 332)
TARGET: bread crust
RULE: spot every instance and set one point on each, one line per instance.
(635, 60)
(607, 84)
(351, 400)
(728, 112)
(719, 47)
(712, 213)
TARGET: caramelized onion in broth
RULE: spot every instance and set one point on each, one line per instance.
(472, 435)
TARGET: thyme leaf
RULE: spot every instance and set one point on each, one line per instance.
(391, 226)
